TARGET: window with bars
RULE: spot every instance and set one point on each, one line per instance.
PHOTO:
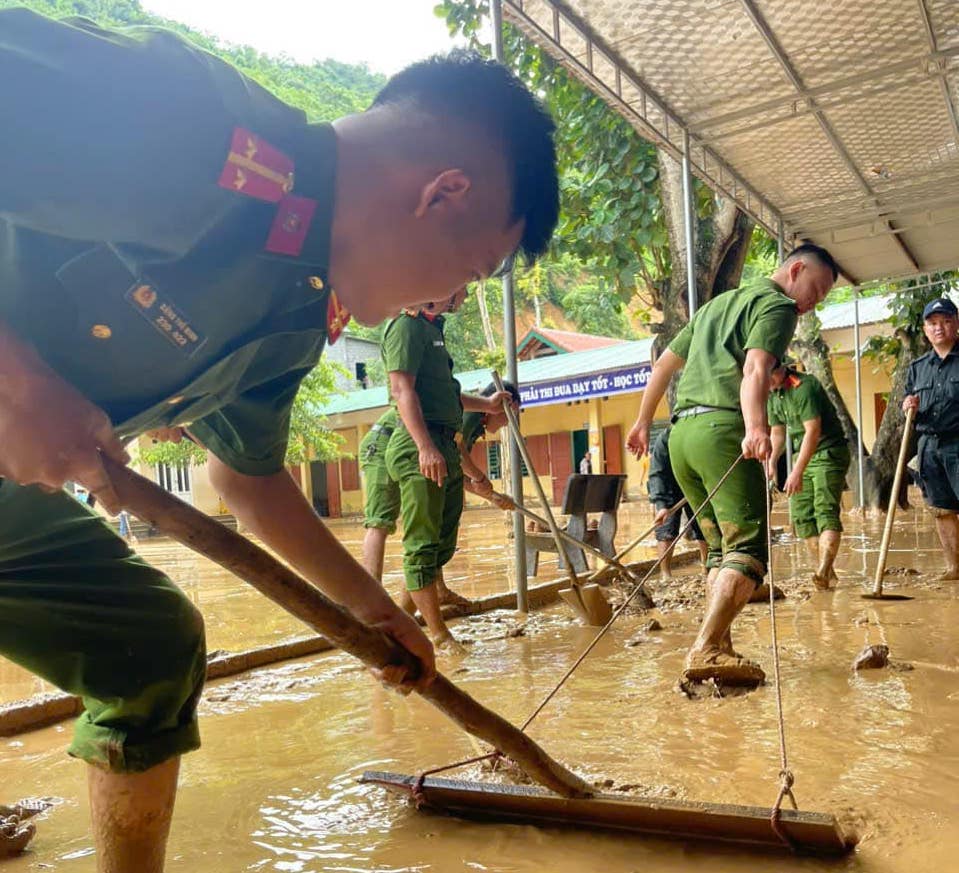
(494, 461)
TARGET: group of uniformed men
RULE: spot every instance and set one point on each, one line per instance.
(171, 236)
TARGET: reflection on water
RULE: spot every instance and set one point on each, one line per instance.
(274, 787)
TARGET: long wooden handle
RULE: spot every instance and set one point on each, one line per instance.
(243, 558)
(893, 501)
(524, 451)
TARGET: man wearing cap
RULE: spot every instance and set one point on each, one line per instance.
(800, 410)
(726, 354)
(932, 389)
(664, 493)
(170, 238)
(422, 455)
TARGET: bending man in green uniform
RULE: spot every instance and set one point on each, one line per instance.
(476, 425)
(726, 354)
(422, 455)
(799, 410)
(170, 233)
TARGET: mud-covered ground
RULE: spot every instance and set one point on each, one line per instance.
(274, 788)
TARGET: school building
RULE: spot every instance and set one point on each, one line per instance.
(579, 393)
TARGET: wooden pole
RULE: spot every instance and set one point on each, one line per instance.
(893, 501)
(235, 553)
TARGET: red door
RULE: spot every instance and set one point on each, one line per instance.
(613, 450)
(333, 489)
(560, 462)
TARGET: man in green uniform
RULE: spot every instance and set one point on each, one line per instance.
(476, 425)
(381, 508)
(799, 410)
(170, 235)
(422, 456)
(726, 354)
(932, 389)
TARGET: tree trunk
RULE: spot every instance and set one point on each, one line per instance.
(880, 466)
(721, 244)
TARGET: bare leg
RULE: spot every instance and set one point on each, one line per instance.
(947, 526)
(131, 817)
(374, 547)
(665, 567)
(428, 602)
(828, 549)
(710, 653)
(812, 546)
(703, 551)
(446, 594)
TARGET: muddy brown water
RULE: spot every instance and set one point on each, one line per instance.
(274, 787)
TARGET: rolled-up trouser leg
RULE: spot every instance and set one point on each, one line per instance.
(702, 449)
(382, 505)
(83, 611)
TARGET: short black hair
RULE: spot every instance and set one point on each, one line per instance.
(464, 86)
(819, 253)
(490, 390)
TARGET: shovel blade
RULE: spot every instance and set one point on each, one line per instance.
(589, 604)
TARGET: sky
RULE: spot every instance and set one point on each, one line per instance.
(385, 34)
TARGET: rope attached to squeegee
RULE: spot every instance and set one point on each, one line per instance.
(636, 589)
(786, 778)
(495, 754)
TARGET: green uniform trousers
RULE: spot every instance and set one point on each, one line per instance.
(431, 515)
(816, 508)
(701, 449)
(82, 610)
(382, 506)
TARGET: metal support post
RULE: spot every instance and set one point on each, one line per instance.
(860, 460)
(781, 253)
(689, 216)
(509, 343)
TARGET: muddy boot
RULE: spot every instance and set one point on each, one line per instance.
(723, 668)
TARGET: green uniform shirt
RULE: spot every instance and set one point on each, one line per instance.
(715, 342)
(136, 257)
(414, 344)
(474, 429)
(802, 398)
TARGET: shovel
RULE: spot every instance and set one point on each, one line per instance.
(877, 592)
(587, 601)
(254, 565)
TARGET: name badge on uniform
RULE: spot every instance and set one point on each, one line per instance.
(165, 318)
(438, 344)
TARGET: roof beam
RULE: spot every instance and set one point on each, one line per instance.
(761, 25)
(943, 82)
(929, 65)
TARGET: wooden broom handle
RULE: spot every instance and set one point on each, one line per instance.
(893, 500)
(254, 565)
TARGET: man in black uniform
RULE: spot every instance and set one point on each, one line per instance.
(171, 235)
(932, 389)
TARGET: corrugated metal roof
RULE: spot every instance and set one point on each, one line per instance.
(871, 310)
(840, 119)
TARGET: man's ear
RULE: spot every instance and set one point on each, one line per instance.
(795, 268)
(449, 188)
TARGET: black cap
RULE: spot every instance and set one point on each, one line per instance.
(942, 306)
